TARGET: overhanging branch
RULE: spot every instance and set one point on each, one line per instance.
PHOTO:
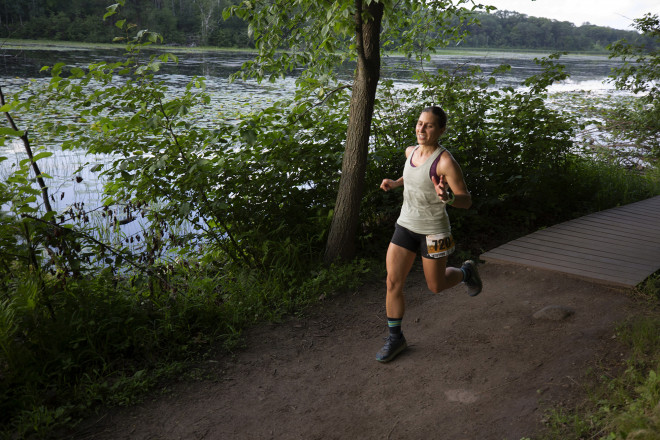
(28, 150)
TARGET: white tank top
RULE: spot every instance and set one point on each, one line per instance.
(422, 212)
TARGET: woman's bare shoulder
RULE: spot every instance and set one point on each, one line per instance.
(447, 163)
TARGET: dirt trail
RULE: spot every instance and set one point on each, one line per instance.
(477, 368)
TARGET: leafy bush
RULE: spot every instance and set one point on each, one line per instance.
(640, 74)
(519, 156)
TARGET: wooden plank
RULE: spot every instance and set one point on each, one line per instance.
(622, 277)
(621, 220)
(651, 211)
(603, 238)
(575, 270)
(618, 223)
(628, 246)
(642, 222)
(652, 204)
(597, 230)
(551, 265)
(642, 217)
(651, 207)
(590, 247)
(635, 208)
(617, 246)
(586, 254)
(593, 263)
(617, 256)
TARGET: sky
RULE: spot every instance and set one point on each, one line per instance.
(617, 14)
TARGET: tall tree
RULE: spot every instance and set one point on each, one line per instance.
(206, 11)
(341, 239)
(320, 36)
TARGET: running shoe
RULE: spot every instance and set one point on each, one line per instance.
(393, 346)
(473, 281)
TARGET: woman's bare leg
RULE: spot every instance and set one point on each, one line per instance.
(399, 261)
(440, 277)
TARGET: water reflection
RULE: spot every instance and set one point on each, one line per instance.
(216, 64)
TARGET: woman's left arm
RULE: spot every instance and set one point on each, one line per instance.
(452, 181)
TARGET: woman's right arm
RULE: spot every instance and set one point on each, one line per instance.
(389, 184)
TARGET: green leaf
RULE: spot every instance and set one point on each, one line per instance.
(77, 72)
(27, 209)
(57, 69)
(5, 131)
(49, 215)
(184, 209)
(112, 10)
(8, 107)
(42, 155)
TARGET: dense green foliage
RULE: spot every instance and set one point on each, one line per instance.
(632, 122)
(505, 29)
(237, 215)
(518, 155)
(639, 73)
(183, 22)
(200, 22)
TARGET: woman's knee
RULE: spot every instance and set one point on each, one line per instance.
(394, 285)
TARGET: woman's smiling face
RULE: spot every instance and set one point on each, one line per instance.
(428, 129)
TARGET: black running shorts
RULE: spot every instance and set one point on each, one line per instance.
(418, 243)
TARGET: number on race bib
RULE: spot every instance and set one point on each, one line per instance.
(440, 245)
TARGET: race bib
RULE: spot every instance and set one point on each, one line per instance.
(440, 245)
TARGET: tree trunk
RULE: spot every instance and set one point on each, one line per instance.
(344, 226)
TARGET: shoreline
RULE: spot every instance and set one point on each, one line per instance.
(18, 44)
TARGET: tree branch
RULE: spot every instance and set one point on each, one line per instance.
(28, 150)
(359, 43)
(321, 102)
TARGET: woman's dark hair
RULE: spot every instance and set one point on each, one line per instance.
(439, 113)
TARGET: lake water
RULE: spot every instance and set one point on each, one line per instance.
(17, 66)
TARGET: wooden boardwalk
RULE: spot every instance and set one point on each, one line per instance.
(619, 246)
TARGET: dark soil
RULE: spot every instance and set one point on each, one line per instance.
(477, 368)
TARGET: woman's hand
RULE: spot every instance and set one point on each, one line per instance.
(441, 187)
(388, 184)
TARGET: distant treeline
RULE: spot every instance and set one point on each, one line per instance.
(199, 22)
(181, 22)
(506, 29)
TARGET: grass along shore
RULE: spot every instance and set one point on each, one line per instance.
(18, 44)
